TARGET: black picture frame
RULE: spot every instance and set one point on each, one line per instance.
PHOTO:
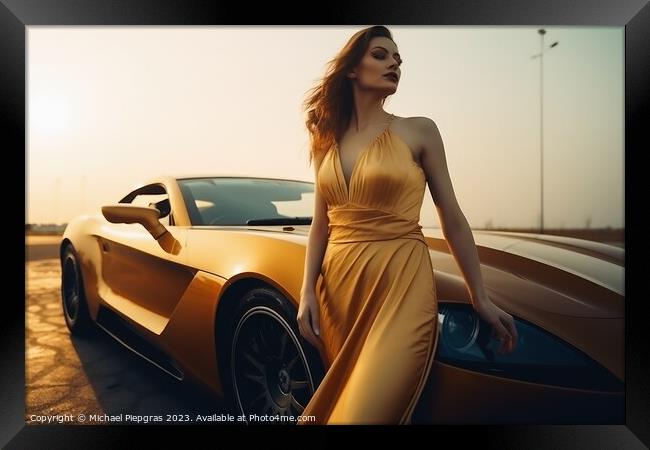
(634, 15)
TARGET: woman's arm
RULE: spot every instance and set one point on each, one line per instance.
(308, 311)
(316, 244)
(457, 231)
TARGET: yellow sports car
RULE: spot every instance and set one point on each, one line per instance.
(201, 277)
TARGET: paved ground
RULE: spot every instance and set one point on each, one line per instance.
(96, 375)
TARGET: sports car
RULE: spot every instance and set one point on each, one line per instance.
(201, 277)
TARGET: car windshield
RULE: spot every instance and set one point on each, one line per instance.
(247, 201)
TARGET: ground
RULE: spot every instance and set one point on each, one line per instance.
(96, 375)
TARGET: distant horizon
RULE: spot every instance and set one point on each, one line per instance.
(109, 107)
(608, 227)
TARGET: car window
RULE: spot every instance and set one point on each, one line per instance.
(235, 201)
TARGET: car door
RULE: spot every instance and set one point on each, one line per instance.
(144, 278)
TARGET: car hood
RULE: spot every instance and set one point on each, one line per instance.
(601, 264)
(598, 263)
(589, 275)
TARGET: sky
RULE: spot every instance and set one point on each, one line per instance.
(110, 107)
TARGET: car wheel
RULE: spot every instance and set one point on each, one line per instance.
(75, 308)
(272, 370)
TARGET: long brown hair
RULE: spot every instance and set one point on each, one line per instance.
(329, 104)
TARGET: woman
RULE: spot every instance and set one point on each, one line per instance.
(375, 316)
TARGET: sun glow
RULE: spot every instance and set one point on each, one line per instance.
(48, 114)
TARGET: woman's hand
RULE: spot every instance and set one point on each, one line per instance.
(308, 317)
(503, 325)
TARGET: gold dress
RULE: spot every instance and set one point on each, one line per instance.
(378, 300)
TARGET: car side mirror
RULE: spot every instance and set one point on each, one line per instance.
(125, 213)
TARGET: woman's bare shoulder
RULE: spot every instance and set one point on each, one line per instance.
(417, 129)
(418, 124)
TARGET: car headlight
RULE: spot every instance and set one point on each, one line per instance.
(466, 341)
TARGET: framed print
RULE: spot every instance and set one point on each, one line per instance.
(136, 119)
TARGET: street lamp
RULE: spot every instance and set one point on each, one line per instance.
(542, 32)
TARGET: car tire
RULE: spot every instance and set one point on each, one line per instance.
(270, 371)
(73, 298)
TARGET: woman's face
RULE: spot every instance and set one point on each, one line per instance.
(379, 68)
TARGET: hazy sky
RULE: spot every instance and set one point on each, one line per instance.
(110, 107)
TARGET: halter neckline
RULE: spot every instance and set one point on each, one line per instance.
(362, 154)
